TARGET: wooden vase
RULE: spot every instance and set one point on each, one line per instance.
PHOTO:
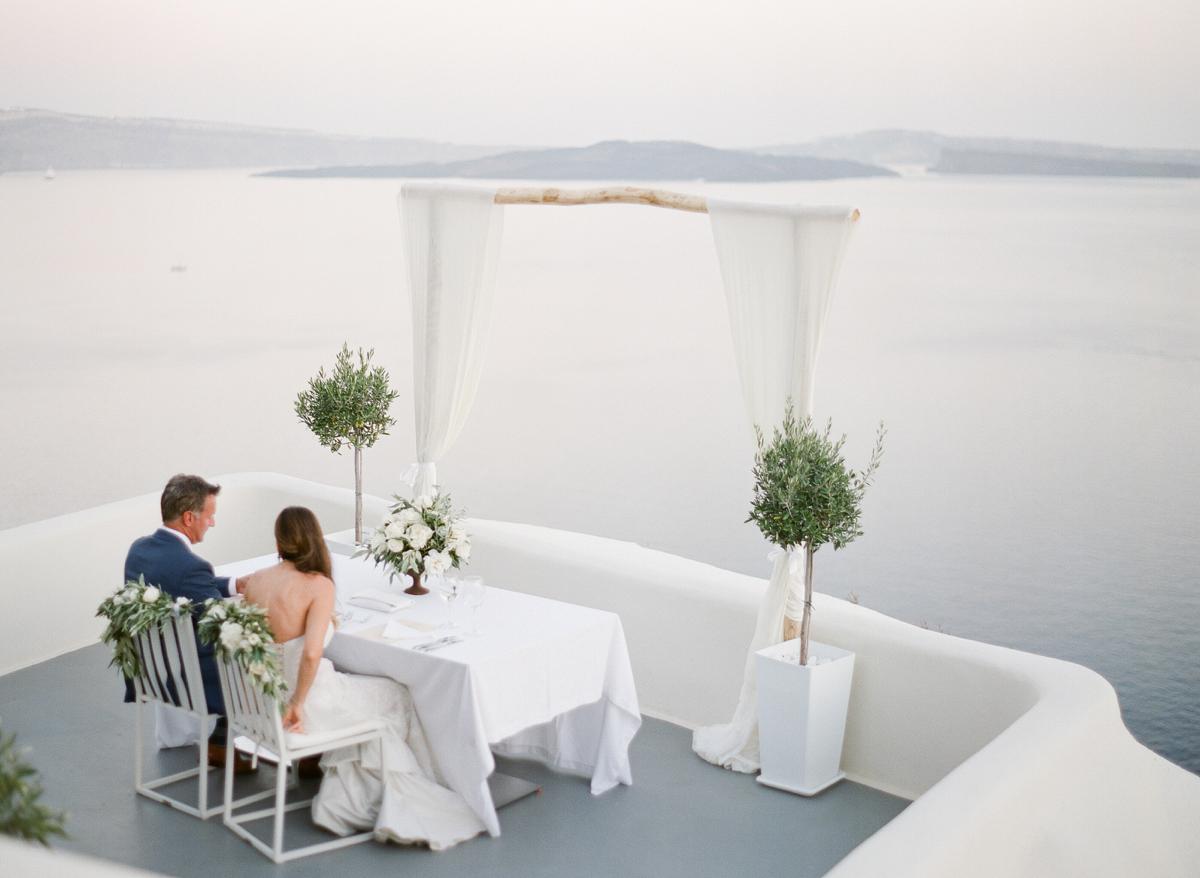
(416, 587)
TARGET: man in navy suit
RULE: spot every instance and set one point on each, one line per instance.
(165, 559)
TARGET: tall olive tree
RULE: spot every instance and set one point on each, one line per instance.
(806, 497)
(349, 407)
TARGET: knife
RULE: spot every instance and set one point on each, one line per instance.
(437, 644)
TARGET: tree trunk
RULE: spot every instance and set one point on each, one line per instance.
(807, 618)
(358, 496)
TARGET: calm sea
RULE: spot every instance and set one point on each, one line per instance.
(1032, 344)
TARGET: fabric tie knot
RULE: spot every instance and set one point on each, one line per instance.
(421, 477)
(794, 558)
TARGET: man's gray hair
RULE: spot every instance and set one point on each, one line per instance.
(185, 493)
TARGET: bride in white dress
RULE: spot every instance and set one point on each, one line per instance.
(410, 804)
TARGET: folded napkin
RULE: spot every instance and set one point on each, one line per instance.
(380, 600)
(399, 629)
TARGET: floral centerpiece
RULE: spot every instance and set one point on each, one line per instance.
(132, 610)
(419, 536)
(239, 631)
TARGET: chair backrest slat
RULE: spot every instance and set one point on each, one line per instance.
(167, 642)
(141, 680)
(167, 656)
(156, 671)
(185, 641)
(248, 710)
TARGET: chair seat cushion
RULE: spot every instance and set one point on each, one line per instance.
(299, 741)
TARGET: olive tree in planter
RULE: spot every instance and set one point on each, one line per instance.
(805, 497)
(349, 407)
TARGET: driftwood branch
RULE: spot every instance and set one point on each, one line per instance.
(609, 195)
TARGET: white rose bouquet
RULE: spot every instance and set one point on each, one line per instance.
(239, 631)
(132, 609)
(419, 536)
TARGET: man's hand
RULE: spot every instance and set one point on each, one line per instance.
(240, 585)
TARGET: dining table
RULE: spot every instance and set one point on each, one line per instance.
(521, 676)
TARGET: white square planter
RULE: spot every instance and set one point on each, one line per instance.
(802, 715)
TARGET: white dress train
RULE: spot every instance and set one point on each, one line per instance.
(410, 805)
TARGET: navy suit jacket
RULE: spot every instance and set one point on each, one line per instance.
(164, 561)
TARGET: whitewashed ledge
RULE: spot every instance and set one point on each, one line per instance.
(19, 858)
(1016, 764)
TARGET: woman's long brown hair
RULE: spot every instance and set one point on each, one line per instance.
(299, 540)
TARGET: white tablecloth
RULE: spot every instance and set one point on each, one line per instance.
(544, 680)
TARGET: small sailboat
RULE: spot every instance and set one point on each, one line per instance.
(49, 175)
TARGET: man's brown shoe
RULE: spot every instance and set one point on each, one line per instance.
(242, 764)
(310, 767)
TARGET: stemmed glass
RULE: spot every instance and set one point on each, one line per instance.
(473, 593)
(449, 588)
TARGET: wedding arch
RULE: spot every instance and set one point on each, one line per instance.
(779, 266)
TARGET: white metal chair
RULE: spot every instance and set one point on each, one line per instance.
(170, 674)
(256, 716)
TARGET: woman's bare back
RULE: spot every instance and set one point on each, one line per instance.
(288, 596)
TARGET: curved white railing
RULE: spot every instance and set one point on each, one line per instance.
(1016, 764)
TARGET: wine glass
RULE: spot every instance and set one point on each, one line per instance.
(449, 587)
(473, 593)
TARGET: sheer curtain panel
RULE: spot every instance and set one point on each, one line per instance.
(779, 266)
(451, 246)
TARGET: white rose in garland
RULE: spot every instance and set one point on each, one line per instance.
(231, 636)
(240, 632)
(418, 537)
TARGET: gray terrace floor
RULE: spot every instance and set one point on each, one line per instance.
(682, 817)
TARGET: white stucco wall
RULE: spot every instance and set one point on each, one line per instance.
(56, 572)
(1018, 764)
(20, 859)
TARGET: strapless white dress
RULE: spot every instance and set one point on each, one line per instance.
(411, 804)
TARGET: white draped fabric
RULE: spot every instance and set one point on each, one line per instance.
(779, 266)
(451, 245)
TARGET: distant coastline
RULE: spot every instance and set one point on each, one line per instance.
(35, 139)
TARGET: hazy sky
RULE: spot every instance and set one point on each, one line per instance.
(1120, 72)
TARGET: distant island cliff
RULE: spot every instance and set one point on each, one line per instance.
(978, 161)
(618, 160)
(942, 154)
(32, 140)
